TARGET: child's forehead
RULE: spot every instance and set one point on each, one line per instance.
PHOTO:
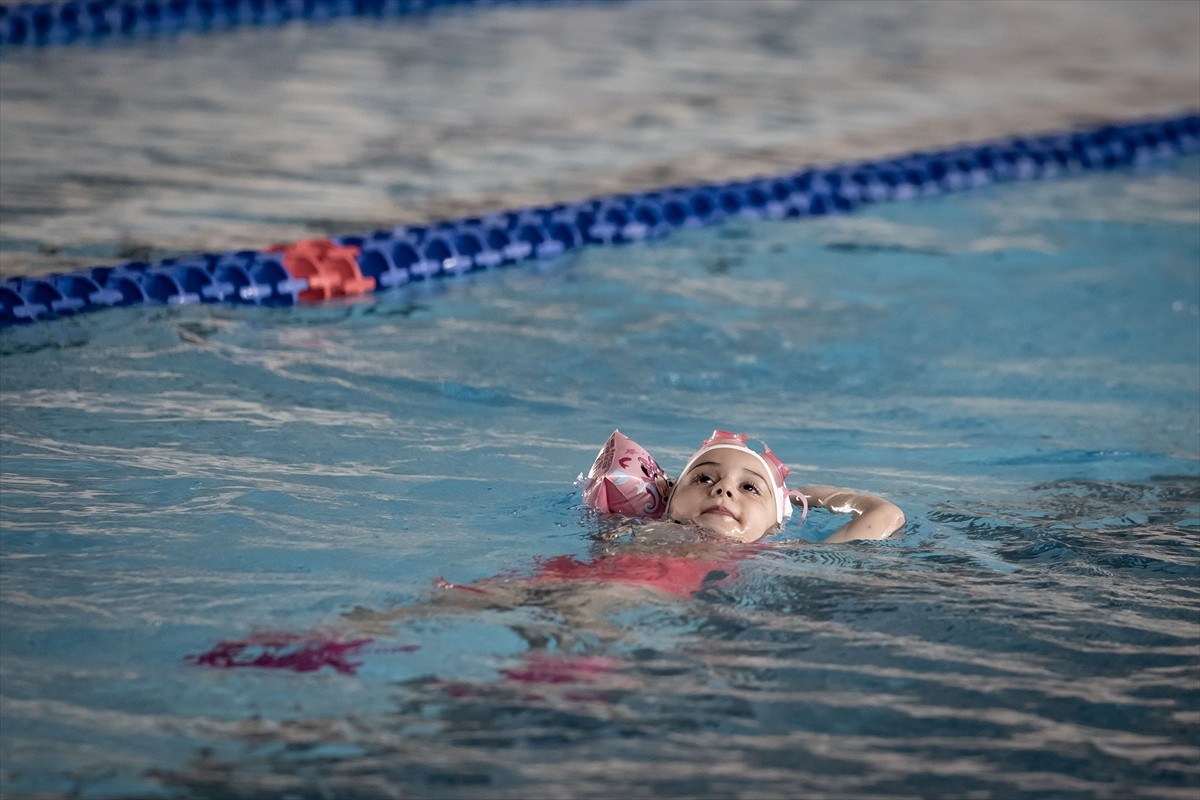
(729, 458)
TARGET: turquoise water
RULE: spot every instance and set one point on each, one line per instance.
(1016, 367)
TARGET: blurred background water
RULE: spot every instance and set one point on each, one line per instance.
(192, 143)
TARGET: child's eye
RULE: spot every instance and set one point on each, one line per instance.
(752, 488)
(702, 478)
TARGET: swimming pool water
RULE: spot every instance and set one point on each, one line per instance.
(1017, 368)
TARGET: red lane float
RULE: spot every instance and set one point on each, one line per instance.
(330, 269)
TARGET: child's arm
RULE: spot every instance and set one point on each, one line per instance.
(874, 517)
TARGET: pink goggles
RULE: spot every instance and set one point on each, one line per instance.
(719, 436)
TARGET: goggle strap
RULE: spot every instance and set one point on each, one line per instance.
(743, 439)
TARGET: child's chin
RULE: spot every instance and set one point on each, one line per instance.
(726, 528)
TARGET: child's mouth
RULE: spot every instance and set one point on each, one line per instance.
(720, 511)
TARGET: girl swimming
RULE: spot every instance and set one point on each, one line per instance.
(727, 488)
(728, 491)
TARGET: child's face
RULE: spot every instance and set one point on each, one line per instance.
(727, 493)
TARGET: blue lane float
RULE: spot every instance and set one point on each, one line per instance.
(319, 270)
(44, 24)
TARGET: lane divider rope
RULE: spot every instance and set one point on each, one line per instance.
(74, 21)
(346, 266)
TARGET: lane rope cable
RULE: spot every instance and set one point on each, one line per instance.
(318, 270)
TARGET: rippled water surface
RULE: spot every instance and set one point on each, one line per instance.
(338, 551)
(1017, 368)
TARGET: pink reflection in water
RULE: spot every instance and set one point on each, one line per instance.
(297, 652)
